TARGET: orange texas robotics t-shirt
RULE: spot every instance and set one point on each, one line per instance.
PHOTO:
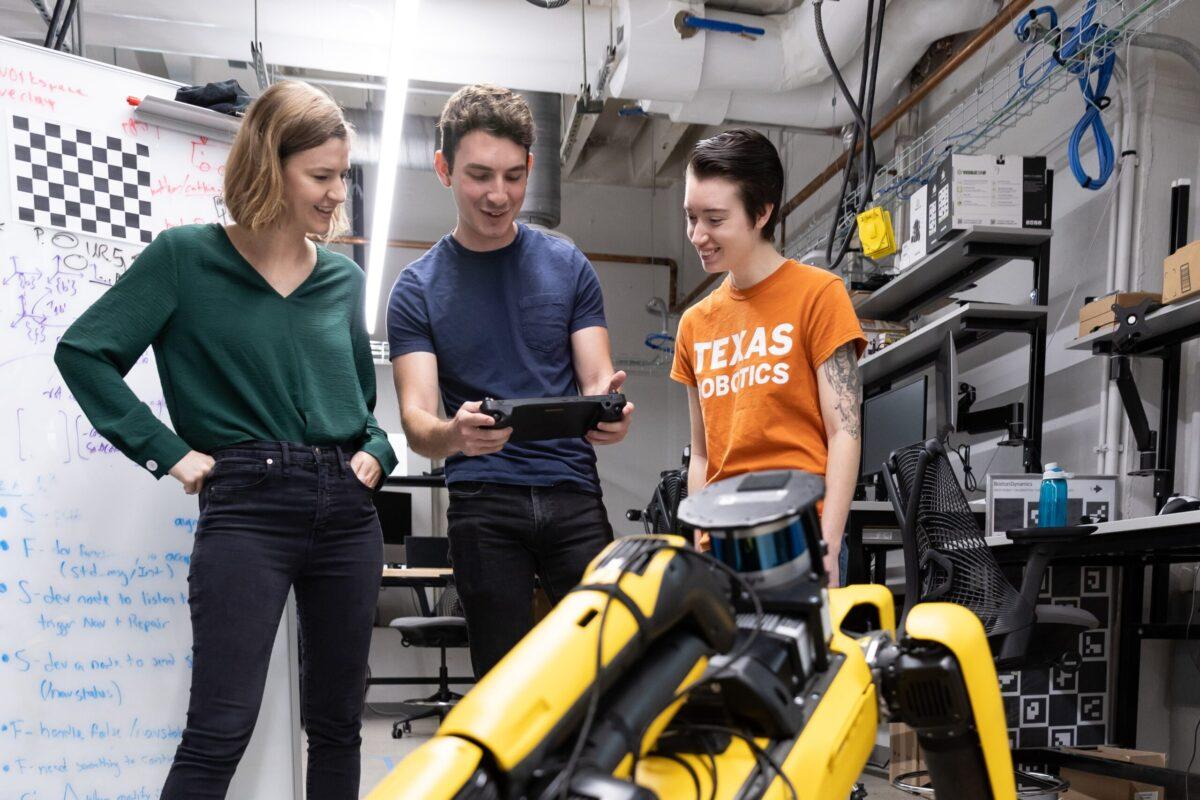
(753, 356)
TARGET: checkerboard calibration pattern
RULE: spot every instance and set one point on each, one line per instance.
(81, 181)
(1050, 707)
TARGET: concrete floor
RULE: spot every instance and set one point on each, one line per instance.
(381, 753)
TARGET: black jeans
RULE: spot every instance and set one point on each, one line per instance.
(273, 517)
(501, 536)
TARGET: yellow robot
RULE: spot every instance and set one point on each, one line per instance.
(668, 674)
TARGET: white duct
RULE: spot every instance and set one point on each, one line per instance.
(773, 79)
(656, 61)
(755, 6)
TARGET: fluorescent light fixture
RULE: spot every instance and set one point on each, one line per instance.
(403, 43)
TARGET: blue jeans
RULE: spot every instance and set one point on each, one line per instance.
(501, 536)
(273, 517)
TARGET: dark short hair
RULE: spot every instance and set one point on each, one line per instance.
(483, 107)
(748, 159)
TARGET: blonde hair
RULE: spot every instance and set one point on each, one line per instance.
(290, 116)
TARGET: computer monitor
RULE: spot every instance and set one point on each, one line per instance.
(892, 420)
(395, 515)
(945, 374)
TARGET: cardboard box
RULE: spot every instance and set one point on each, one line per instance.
(987, 190)
(1098, 314)
(906, 753)
(912, 237)
(1181, 273)
(1089, 786)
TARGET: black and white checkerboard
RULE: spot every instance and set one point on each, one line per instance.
(1050, 707)
(80, 181)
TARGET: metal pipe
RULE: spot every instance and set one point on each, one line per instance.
(1172, 44)
(543, 194)
(1105, 434)
(985, 34)
(1126, 188)
(55, 20)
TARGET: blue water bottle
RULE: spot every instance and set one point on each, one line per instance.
(1052, 505)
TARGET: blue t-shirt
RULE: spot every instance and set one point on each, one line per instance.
(500, 324)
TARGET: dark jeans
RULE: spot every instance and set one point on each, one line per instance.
(501, 537)
(273, 517)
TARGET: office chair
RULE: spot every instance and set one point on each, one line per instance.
(946, 559)
(660, 514)
(446, 627)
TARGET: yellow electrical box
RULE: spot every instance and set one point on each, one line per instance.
(875, 232)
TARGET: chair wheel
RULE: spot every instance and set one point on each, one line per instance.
(401, 727)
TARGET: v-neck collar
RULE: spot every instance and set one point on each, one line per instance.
(237, 254)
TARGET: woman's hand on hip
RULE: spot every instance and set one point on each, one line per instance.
(366, 468)
(191, 471)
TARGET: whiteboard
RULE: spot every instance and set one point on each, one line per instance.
(95, 637)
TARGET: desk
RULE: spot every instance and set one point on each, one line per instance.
(1146, 541)
(1131, 544)
(418, 579)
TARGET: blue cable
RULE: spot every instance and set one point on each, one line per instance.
(661, 341)
(1072, 42)
(692, 21)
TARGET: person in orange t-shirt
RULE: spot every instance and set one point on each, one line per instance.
(770, 357)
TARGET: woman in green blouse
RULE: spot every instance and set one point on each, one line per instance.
(266, 369)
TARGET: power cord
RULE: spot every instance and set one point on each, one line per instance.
(759, 753)
(840, 206)
(963, 451)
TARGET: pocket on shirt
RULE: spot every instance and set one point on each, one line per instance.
(544, 322)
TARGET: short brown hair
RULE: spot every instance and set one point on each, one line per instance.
(483, 107)
(748, 159)
(290, 116)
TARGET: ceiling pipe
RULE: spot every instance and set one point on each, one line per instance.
(908, 30)
(755, 6)
(543, 195)
(691, 74)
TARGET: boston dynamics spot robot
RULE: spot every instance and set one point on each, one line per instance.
(668, 673)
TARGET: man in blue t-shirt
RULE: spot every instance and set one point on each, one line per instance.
(497, 309)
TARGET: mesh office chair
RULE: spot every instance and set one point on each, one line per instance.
(946, 559)
(446, 627)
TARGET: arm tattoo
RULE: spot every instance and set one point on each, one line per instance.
(841, 369)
